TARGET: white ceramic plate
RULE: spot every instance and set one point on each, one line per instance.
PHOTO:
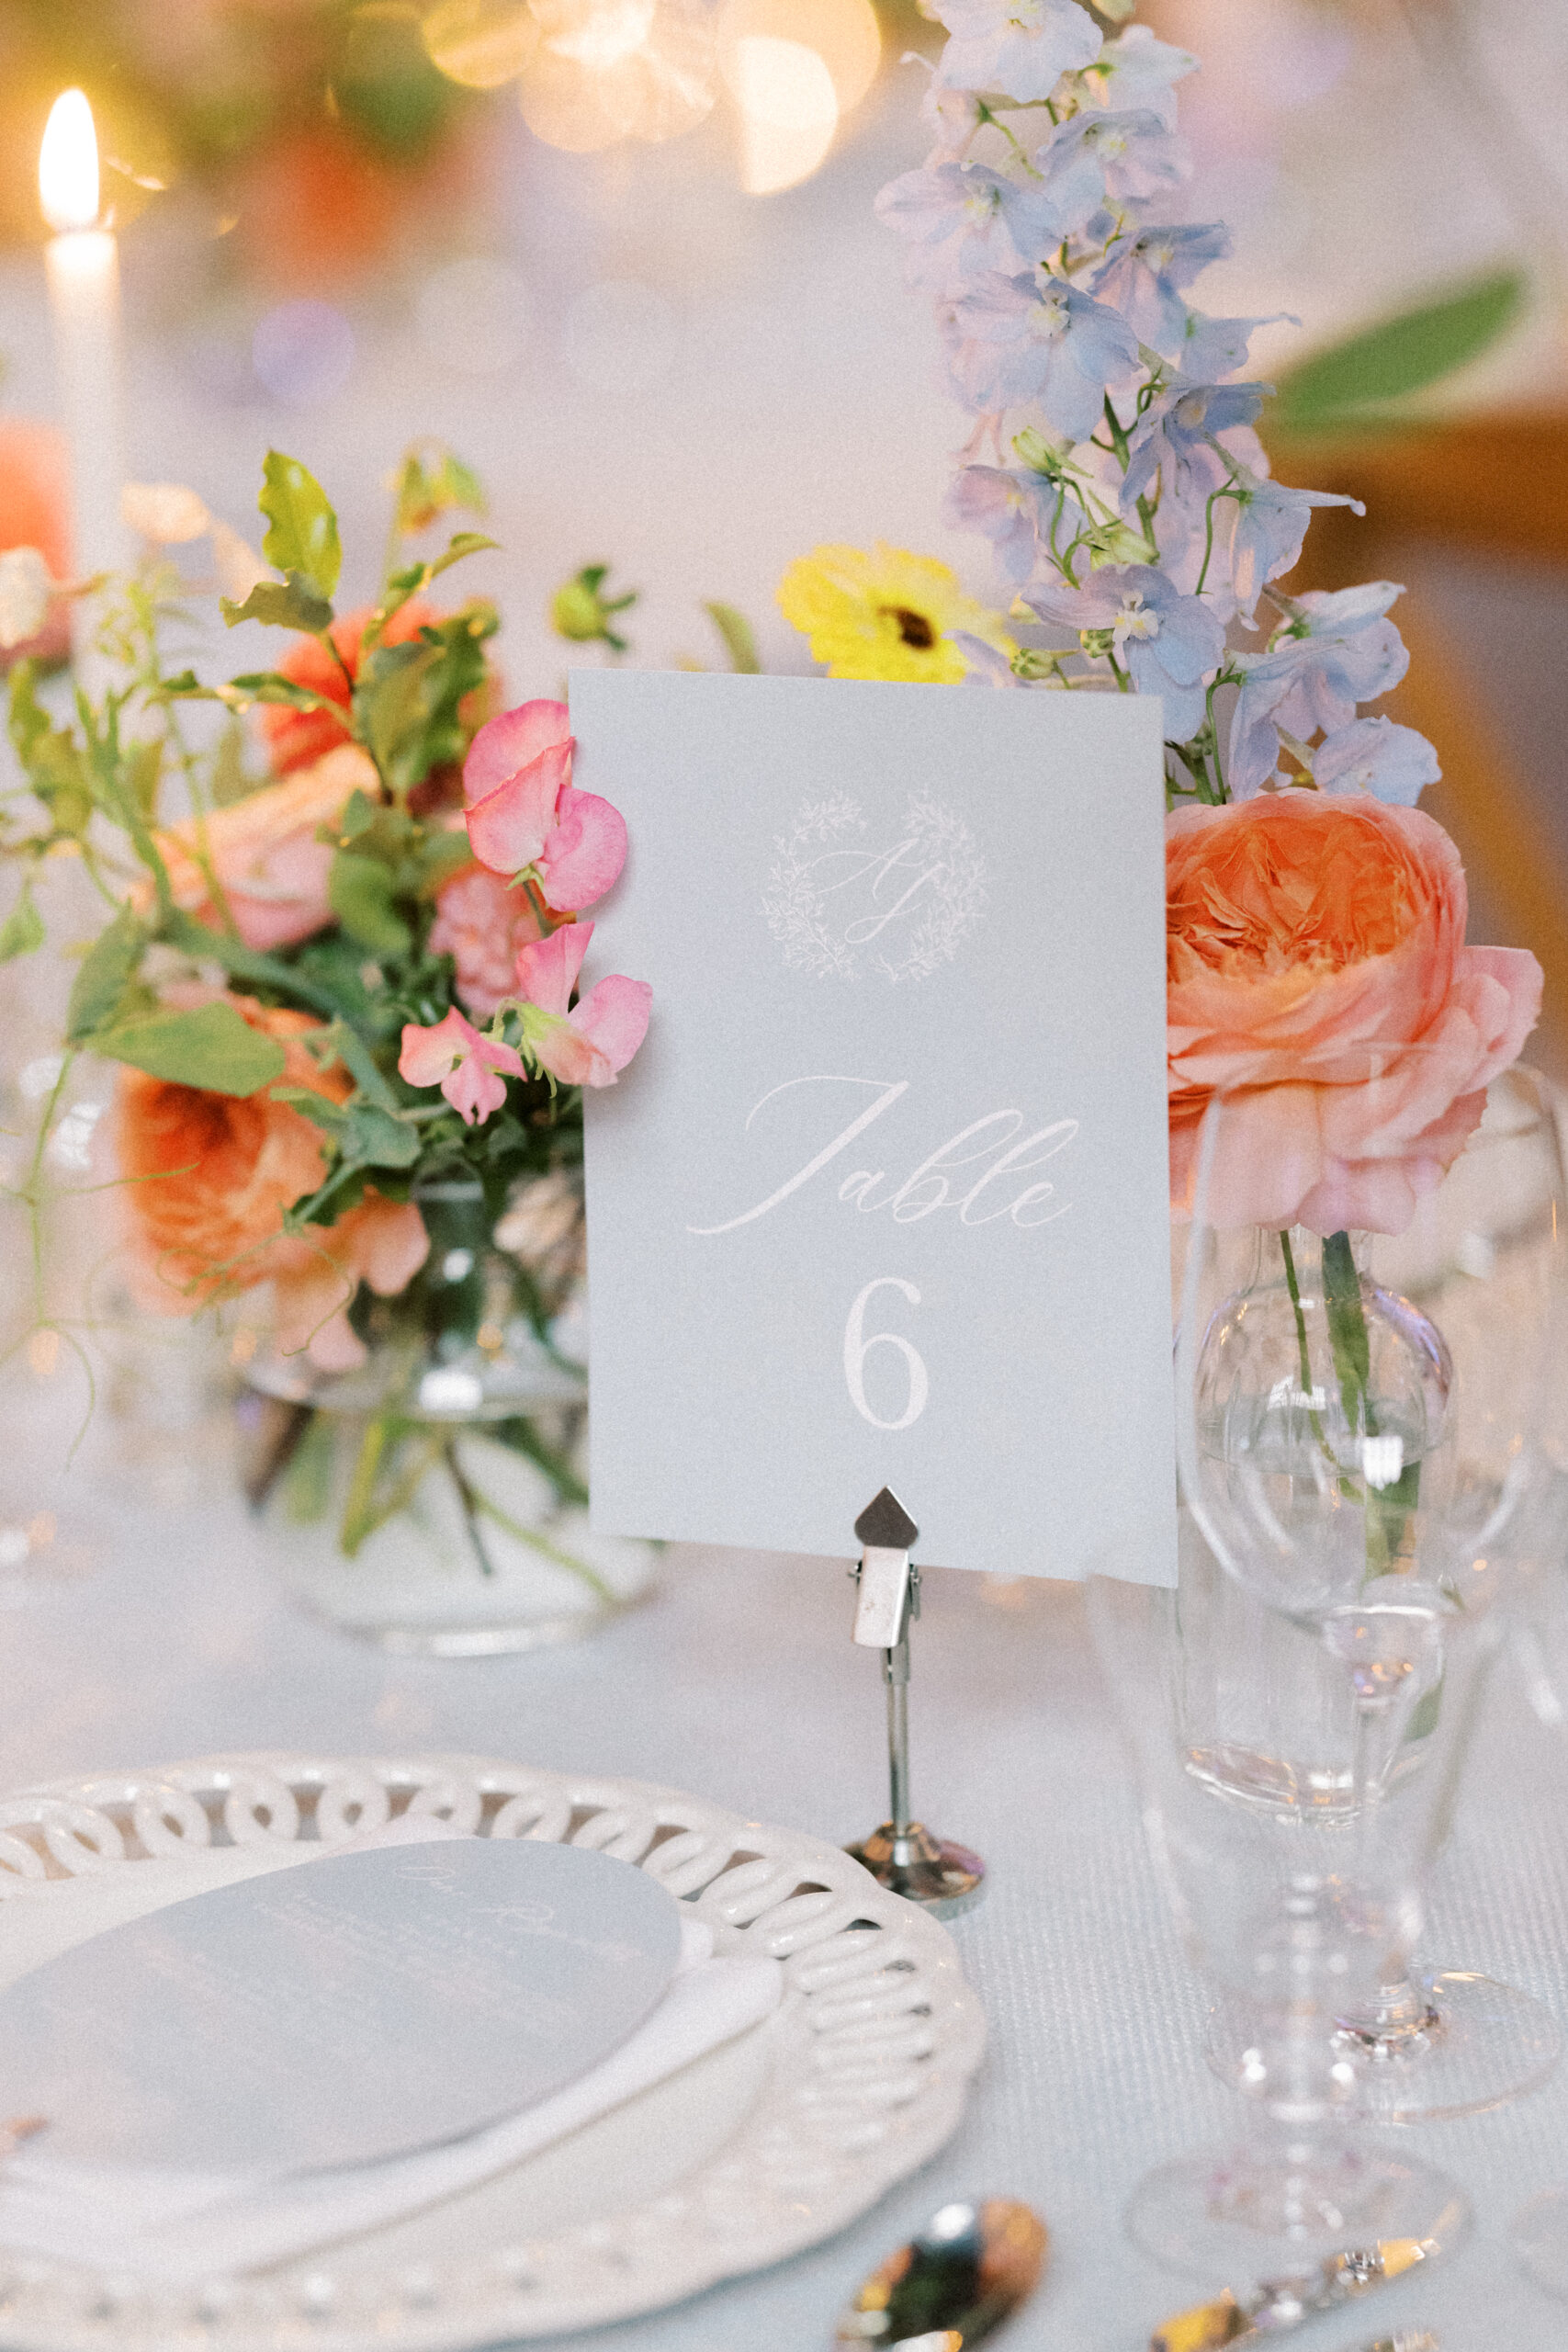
(761, 2148)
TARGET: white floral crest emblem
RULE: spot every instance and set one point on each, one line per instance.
(843, 901)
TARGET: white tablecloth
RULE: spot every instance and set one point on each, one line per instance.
(740, 1682)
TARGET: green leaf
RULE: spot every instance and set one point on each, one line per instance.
(104, 975)
(211, 1046)
(441, 855)
(342, 1043)
(360, 892)
(242, 963)
(291, 604)
(22, 930)
(301, 527)
(429, 486)
(408, 696)
(54, 762)
(738, 641)
(1399, 355)
(267, 685)
(320, 1109)
(375, 1139)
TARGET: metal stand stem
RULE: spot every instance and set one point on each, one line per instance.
(902, 1855)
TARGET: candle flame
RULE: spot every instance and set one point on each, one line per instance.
(68, 164)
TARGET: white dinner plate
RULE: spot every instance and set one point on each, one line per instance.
(761, 2148)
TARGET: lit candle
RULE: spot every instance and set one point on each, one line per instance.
(83, 262)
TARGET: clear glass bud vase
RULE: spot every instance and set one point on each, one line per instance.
(434, 1499)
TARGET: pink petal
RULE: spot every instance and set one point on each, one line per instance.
(496, 1056)
(570, 1057)
(548, 969)
(509, 828)
(427, 1055)
(513, 742)
(585, 853)
(474, 1090)
(613, 1017)
(391, 1244)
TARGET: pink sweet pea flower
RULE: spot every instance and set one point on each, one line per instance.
(588, 1046)
(455, 1056)
(526, 817)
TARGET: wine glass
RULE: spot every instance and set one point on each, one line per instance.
(1290, 1902)
(1359, 1431)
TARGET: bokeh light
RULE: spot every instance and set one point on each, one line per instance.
(68, 164)
(620, 68)
(599, 34)
(844, 33)
(473, 316)
(789, 111)
(564, 104)
(304, 352)
(480, 43)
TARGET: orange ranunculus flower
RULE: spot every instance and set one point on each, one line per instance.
(35, 512)
(212, 1175)
(264, 852)
(1302, 929)
(295, 738)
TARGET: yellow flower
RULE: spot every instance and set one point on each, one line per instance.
(884, 615)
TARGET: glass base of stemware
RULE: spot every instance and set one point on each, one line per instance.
(1540, 2240)
(1249, 2217)
(1479, 2044)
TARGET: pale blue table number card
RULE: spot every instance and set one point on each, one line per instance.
(883, 1200)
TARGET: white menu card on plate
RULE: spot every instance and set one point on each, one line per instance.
(884, 1198)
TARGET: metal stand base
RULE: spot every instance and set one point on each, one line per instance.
(902, 1855)
(944, 1879)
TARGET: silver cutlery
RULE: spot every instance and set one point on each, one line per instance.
(954, 2283)
(1279, 2303)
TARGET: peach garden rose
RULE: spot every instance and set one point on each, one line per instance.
(1302, 929)
(210, 1177)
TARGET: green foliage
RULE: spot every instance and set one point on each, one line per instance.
(291, 604)
(431, 482)
(210, 1047)
(22, 930)
(1399, 355)
(415, 578)
(51, 757)
(406, 702)
(301, 535)
(583, 614)
(105, 973)
(739, 642)
(361, 891)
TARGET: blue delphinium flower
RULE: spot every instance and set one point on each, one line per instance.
(1374, 755)
(1144, 270)
(1270, 524)
(1040, 340)
(1168, 643)
(1179, 424)
(1022, 47)
(1143, 517)
(1015, 508)
(1136, 69)
(1334, 651)
(963, 221)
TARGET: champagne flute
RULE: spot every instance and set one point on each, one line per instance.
(1359, 1431)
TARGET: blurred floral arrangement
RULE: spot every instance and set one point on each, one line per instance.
(285, 973)
(311, 132)
(1115, 469)
(344, 998)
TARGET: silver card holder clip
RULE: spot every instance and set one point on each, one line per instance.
(902, 1855)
